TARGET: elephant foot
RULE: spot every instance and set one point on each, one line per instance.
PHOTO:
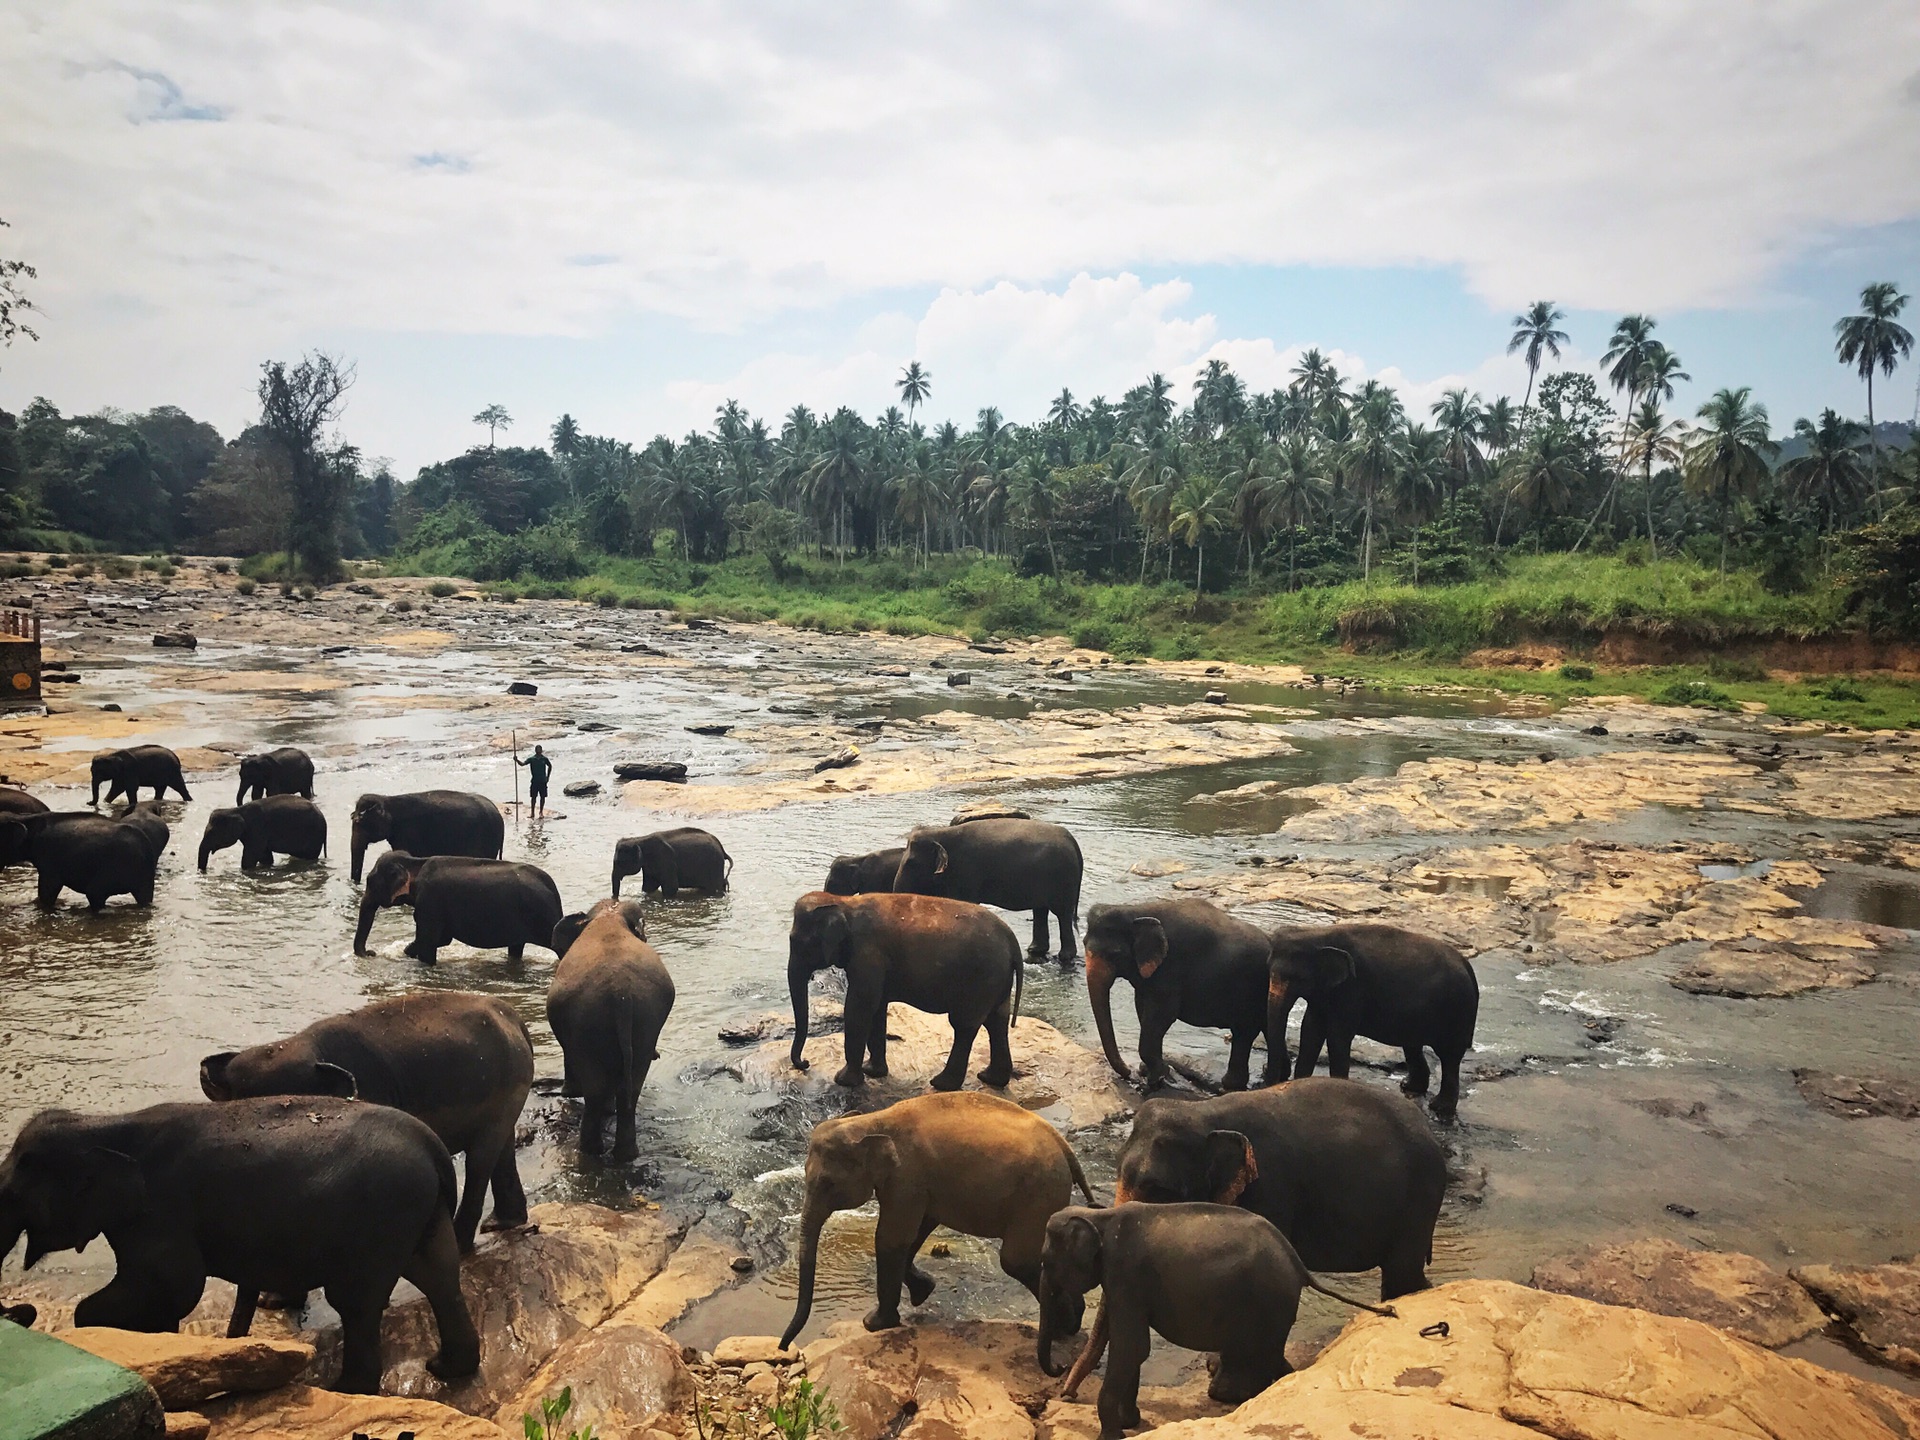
(1234, 1080)
(919, 1286)
(850, 1077)
(451, 1367)
(946, 1081)
(1445, 1114)
(1413, 1091)
(272, 1300)
(1036, 953)
(412, 952)
(996, 1079)
(878, 1319)
(876, 1068)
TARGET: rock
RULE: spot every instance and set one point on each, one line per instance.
(892, 672)
(1595, 730)
(1737, 1293)
(306, 1413)
(708, 729)
(1753, 969)
(706, 1261)
(187, 1369)
(331, 650)
(1079, 1419)
(60, 677)
(111, 708)
(959, 677)
(578, 788)
(523, 687)
(187, 1425)
(593, 727)
(988, 810)
(977, 1379)
(671, 771)
(1158, 869)
(1853, 1099)
(1879, 1303)
(623, 1376)
(990, 647)
(1519, 1364)
(48, 1389)
(752, 1349)
(839, 760)
(704, 625)
(176, 640)
(1216, 697)
(1677, 737)
(763, 1386)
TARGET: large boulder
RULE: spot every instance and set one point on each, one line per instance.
(1518, 1364)
(1879, 1303)
(977, 1379)
(623, 1378)
(186, 1369)
(1735, 1292)
(302, 1412)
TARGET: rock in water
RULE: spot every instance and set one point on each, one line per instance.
(671, 771)
(892, 672)
(959, 677)
(708, 729)
(523, 687)
(187, 1369)
(1879, 1303)
(579, 788)
(1733, 1292)
(176, 640)
(1857, 1099)
(1216, 697)
(839, 760)
(988, 810)
(1752, 969)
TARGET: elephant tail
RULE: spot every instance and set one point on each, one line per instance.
(1079, 1175)
(1019, 984)
(1387, 1310)
(623, 1027)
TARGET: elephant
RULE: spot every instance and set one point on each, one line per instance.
(19, 802)
(1353, 1177)
(974, 1163)
(1186, 960)
(607, 1004)
(99, 856)
(1392, 985)
(943, 956)
(285, 771)
(869, 874)
(670, 860)
(430, 822)
(1205, 1277)
(127, 772)
(488, 904)
(279, 1194)
(277, 825)
(459, 1063)
(1009, 864)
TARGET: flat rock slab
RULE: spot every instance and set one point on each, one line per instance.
(305, 1413)
(1737, 1293)
(977, 1380)
(1519, 1364)
(186, 1369)
(1858, 1099)
(623, 1377)
(1879, 1303)
(1754, 969)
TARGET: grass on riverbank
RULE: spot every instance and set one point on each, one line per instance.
(1386, 633)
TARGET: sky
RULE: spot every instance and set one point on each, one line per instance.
(633, 212)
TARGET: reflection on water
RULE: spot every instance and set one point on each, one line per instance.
(1853, 894)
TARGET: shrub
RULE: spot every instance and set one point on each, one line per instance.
(287, 589)
(801, 1412)
(147, 562)
(1739, 671)
(82, 569)
(1093, 635)
(116, 567)
(307, 592)
(1839, 688)
(56, 562)
(1697, 693)
(402, 606)
(440, 589)
(605, 599)
(1574, 671)
(246, 585)
(221, 567)
(632, 602)
(1186, 647)
(176, 559)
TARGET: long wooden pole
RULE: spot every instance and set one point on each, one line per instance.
(514, 735)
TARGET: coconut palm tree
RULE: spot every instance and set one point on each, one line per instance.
(1034, 496)
(1152, 472)
(565, 437)
(1294, 491)
(915, 385)
(1247, 485)
(1627, 353)
(1829, 474)
(1874, 340)
(1199, 505)
(1418, 482)
(837, 471)
(1456, 416)
(1727, 456)
(1534, 332)
(1652, 437)
(1542, 477)
(1064, 412)
(1368, 459)
(1658, 372)
(1499, 426)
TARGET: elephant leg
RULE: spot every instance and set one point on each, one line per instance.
(97, 900)
(954, 1075)
(473, 1193)
(626, 1143)
(1244, 1373)
(919, 1283)
(864, 1009)
(999, 1069)
(240, 1322)
(509, 1198)
(47, 893)
(1313, 1034)
(1068, 948)
(1339, 1055)
(147, 1293)
(1405, 1269)
(1447, 1102)
(1038, 949)
(360, 1309)
(1239, 1060)
(895, 1239)
(516, 952)
(876, 1065)
(593, 1124)
(1417, 1077)
(1128, 1347)
(1153, 1032)
(1020, 1254)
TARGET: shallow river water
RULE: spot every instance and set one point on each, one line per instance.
(1633, 1107)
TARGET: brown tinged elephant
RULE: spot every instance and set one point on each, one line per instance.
(608, 1002)
(286, 771)
(461, 1064)
(943, 956)
(429, 822)
(99, 856)
(1396, 986)
(284, 1194)
(127, 772)
(669, 861)
(278, 825)
(488, 904)
(1009, 864)
(1204, 1277)
(15, 802)
(1186, 960)
(974, 1163)
(870, 874)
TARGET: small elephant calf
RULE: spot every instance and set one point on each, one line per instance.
(277, 825)
(609, 1000)
(1206, 1277)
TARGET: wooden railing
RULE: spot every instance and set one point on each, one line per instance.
(20, 625)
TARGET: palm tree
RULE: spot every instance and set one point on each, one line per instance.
(1726, 458)
(1368, 459)
(1874, 340)
(1542, 477)
(1828, 474)
(566, 437)
(494, 417)
(1534, 332)
(914, 385)
(1627, 353)
(1248, 486)
(1499, 426)
(1201, 504)
(1658, 372)
(1418, 481)
(1034, 495)
(1651, 437)
(1456, 416)
(1152, 472)
(1293, 491)
(837, 471)
(1064, 413)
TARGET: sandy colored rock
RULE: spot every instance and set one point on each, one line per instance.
(1518, 1364)
(623, 1377)
(187, 1425)
(186, 1369)
(306, 1413)
(1859, 1099)
(1755, 969)
(701, 1266)
(1879, 1303)
(752, 1349)
(1737, 1293)
(1159, 1405)
(976, 1379)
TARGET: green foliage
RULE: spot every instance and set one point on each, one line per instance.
(246, 585)
(1697, 693)
(553, 1411)
(1840, 688)
(1884, 587)
(221, 567)
(1573, 671)
(441, 589)
(801, 1412)
(1722, 667)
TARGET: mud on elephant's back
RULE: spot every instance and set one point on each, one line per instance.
(1053, 1075)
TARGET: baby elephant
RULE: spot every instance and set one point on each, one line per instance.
(610, 998)
(974, 1163)
(278, 825)
(1206, 1277)
(669, 861)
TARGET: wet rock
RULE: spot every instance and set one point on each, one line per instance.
(1754, 969)
(332, 650)
(990, 647)
(892, 672)
(580, 788)
(187, 1369)
(697, 624)
(988, 810)
(1858, 1099)
(1216, 697)
(671, 771)
(1733, 1292)
(640, 647)
(959, 677)
(749, 1349)
(1079, 1419)
(1158, 868)
(305, 1413)
(1880, 1304)
(59, 677)
(708, 729)
(176, 640)
(111, 708)
(593, 727)
(1595, 730)
(1519, 1364)
(523, 687)
(839, 760)
(706, 1262)
(977, 1379)
(622, 1377)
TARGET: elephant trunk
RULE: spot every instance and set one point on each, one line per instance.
(797, 977)
(359, 853)
(1279, 1007)
(1049, 1328)
(1100, 978)
(240, 795)
(369, 907)
(1090, 1356)
(812, 1220)
(206, 849)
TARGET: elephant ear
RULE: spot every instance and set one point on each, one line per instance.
(334, 1080)
(1080, 1240)
(1332, 966)
(1149, 945)
(568, 931)
(214, 1083)
(108, 1187)
(880, 1156)
(1230, 1166)
(635, 917)
(836, 935)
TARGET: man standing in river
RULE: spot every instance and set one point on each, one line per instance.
(539, 767)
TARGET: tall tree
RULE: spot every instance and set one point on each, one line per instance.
(1200, 504)
(1829, 475)
(1368, 459)
(1874, 340)
(297, 404)
(494, 417)
(915, 385)
(1456, 416)
(1418, 482)
(1294, 490)
(13, 303)
(1652, 437)
(1727, 457)
(1064, 413)
(1543, 474)
(1034, 497)
(1535, 332)
(565, 437)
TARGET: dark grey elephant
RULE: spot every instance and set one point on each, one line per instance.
(429, 822)
(277, 825)
(99, 856)
(1396, 986)
(488, 904)
(1205, 1277)
(461, 1064)
(286, 771)
(281, 1195)
(869, 874)
(18, 802)
(127, 772)
(1009, 864)
(609, 1000)
(669, 861)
